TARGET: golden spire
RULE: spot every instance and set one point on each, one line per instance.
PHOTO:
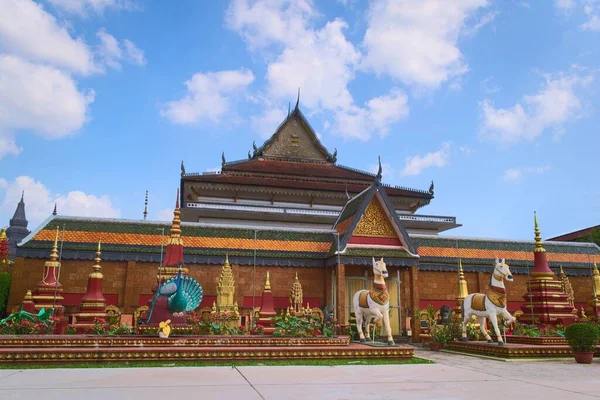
(54, 252)
(97, 260)
(268, 282)
(596, 280)
(175, 237)
(539, 247)
(3, 234)
(227, 259)
(462, 282)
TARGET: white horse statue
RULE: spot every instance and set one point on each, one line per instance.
(374, 303)
(489, 305)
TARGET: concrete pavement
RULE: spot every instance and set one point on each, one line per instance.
(453, 377)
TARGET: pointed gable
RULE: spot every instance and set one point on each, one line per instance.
(295, 140)
(369, 221)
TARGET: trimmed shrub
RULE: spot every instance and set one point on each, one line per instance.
(582, 337)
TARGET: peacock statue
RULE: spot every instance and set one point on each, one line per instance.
(184, 294)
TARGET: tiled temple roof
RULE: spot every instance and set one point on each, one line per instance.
(203, 243)
(441, 253)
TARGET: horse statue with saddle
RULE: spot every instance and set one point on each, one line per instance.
(374, 303)
(489, 305)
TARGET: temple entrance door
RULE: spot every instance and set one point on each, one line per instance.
(356, 283)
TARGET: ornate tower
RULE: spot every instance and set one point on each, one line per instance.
(566, 286)
(226, 289)
(266, 308)
(48, 293)
(545, 300)
(93, 302)
(462, 289)
(594, 308)
(296, 297)
(17, 229)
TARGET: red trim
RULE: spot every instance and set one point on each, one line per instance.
(375, 240)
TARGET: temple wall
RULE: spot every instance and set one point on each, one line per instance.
(128, 282)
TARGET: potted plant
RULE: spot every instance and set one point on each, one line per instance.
(440, 335)
(583, 338)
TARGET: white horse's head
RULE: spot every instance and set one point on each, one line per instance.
(379, 268)
(502, 269)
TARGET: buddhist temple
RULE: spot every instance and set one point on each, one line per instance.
(289, 206)
(546, 302)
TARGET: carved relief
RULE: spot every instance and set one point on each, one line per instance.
(294, 141)
(375, 222)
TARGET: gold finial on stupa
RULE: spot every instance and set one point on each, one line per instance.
(462, 282)
(28, 296)
(175, 237)
(54, 252)
(97, 268)
(539, 246)
(3, 234)
(268, 282)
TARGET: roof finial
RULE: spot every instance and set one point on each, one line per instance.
(22, 195)
(378, 177)
(146, 206)
(182, 168)
(298, 100)
(54, 252)
(249, 155)
(54, 212)
(289, 107)
(431, 187)
(223, 162)
(539, 247)
(268, 282)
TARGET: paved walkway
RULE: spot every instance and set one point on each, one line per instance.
(453, 377)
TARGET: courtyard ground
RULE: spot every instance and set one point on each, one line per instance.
(452, 377)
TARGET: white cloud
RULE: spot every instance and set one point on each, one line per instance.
(591, 9)
(515, 175)
(466, 150)
(40, 98)
(555, 103)
(112, 52)
(416, 41)
(3, 183)
(28, 31)
(266, 123)
(39, 202)
(8, 144)
(208, 96)
(416, 164)
(488, 86)
(375, 118)
(483, 21)
(83, 7)
(214, 169)
(166, 214)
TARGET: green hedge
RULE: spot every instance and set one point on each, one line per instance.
(4, 291)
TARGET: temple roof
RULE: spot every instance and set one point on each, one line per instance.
(136, 240)
(441, 253)
(19, 218)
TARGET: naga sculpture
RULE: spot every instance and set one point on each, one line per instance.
(42, 316)
(374, 303)
(490, 304)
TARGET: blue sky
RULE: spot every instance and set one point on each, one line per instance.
(497, 102)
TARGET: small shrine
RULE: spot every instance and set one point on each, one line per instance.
(48, 294)
(225, 295)
(93, 303)
(267, 312)
(545, 301)
(594, 304)
(462, 290)
(296, 296)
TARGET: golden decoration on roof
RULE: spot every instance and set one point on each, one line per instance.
(375, 222)
(539, 246)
